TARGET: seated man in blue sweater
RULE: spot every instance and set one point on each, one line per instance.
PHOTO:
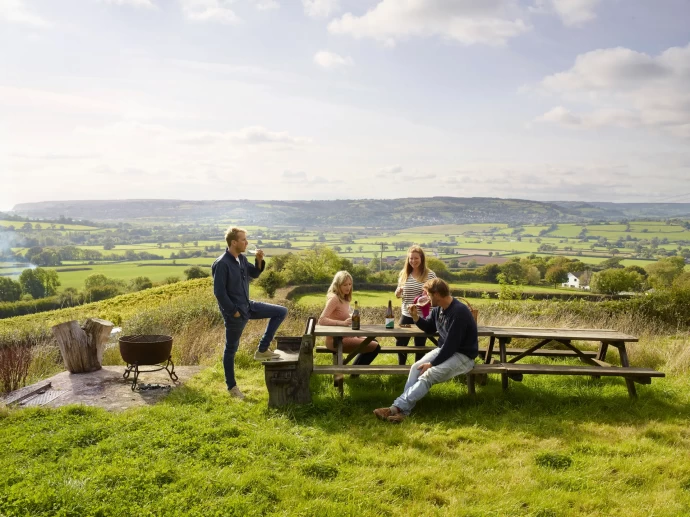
(457, 348)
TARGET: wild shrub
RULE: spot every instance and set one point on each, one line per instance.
(14, 366)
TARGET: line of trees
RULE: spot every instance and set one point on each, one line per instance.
(32, 284)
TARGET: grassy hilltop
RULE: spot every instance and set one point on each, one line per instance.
(548, 447)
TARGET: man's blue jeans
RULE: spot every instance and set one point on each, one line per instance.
(419, 385)
(235, 326)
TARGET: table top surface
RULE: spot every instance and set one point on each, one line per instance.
(515, 332)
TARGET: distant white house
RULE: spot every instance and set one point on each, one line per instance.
(578, 280)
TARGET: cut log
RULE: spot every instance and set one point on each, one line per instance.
(82, 348)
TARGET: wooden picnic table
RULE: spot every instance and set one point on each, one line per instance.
(288, 379)
(569, 338)
(508, 368)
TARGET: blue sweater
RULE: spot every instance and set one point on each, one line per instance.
(231, 283)
(456, 328)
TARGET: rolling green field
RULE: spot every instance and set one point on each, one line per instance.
(368, 299)
(49, 226)
(469, 239)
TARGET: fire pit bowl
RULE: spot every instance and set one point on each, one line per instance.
(147, 350)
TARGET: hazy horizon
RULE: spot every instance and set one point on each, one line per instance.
(545, 100)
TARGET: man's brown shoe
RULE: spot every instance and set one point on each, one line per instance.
(397, 418)
(382, 413)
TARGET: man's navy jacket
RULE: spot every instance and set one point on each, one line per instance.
(231, 283)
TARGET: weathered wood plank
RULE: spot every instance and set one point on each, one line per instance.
(377, 331)
(359, 369)
(509, 351)
(390, 369)
(552, 369)
(564, 334)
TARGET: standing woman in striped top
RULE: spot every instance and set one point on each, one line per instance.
(410, 285)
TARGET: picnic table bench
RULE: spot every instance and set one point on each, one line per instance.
(288, 378)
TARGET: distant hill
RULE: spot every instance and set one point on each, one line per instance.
(384, 213)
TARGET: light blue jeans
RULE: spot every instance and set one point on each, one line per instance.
(418, 386)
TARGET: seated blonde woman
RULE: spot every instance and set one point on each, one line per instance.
(337, 313)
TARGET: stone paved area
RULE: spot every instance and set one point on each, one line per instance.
(103, 388)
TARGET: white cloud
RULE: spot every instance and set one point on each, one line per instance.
(266, 5)
(573, 13)
(320, 8)
(296, 176)
(15, 11)
(210, 11)
(48, 101)
(261, 135)
(389, 171)
(328, 59)
(147, 4)
(624, 88)
(490, 22)
(419, 177)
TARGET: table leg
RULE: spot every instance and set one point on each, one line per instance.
(502, 342)
(489, 350)
(601, 355)
(626, 364)
(338, 377)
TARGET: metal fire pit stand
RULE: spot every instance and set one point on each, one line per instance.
(169, 367)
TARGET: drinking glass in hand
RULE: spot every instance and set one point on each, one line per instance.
(251, 249)
(422, 301)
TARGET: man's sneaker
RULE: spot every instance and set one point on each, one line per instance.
(266, 356)
(236, 393)
(382, 413)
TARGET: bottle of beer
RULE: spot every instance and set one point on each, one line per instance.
(390, 319)
(355, 317)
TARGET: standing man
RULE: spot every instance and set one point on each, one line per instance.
(231, 272)
(457, 348)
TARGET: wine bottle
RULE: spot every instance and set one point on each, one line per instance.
(390, 319)
(355, 317)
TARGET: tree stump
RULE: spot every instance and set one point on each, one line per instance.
(82, 347)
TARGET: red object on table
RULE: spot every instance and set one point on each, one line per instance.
(425, 309)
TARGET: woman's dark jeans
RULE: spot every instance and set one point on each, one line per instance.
(403, 341)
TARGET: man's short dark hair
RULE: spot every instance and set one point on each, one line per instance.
(232, 234)
(437, 286)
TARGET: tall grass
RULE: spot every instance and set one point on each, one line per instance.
(190, 314)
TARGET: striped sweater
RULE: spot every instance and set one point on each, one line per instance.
(411, 289)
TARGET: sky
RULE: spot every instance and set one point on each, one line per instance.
(578, 100)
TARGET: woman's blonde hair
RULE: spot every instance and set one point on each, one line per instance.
(407, 268)
(338, 281)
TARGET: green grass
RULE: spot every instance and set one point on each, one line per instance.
(549, 446)
(380, 298)
(125, 271)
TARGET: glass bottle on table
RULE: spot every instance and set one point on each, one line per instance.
(390, 319)
(355, 317)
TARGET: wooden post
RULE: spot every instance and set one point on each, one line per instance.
(82, 347)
